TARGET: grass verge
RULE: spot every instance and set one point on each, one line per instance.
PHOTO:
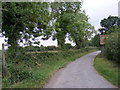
(43, 70)
(0, 69)
(108, 69)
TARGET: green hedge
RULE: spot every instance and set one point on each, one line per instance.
(19, 63)
(112, 47)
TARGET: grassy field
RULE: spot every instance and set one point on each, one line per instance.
(108, 69)
(43, 70)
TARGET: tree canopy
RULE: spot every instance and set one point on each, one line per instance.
(23, 21)
(108, 23)
(26, 21)
(96, 40)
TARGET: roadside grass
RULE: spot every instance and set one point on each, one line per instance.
(108, 69)
(43, 72)
(0, 69)
(0, 57)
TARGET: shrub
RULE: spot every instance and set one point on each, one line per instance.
(51, 48)
(68, 46)
(32, 48)
(18, 74)
(112, 47)
(17, 69)
(21, 65)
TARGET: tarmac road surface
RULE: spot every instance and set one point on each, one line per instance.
(79, 74)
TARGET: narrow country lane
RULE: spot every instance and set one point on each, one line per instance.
(79, 74)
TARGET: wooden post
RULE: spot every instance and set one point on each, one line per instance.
(3, 61)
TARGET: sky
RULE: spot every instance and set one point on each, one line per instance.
(96, 10)
(99, 9)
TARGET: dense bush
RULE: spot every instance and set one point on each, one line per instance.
(48, 48)
(96, 40)
(68, 46)
(41, 48)
(51, 48)
(112, 47)
(16, 69)
(23, 66)
(19, 63)
(33, 48)
(18, 74)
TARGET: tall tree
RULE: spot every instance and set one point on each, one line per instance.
(80, 30)
(108, 23)
(96, 40)
(20, 20)
(62, 12)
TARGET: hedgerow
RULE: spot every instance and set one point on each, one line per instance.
(112, 47)
(20, 64)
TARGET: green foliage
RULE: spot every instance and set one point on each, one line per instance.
(42, 48)
(24, 22)
(111, 27)
(108, 69)
(18, 74)
(19, 20)
(64, 13)
(0, 54)
(33, 48)
(102, 31)
(68, 46)
(108, 23)
(51, 48)
(80, 30)
(36, 67)
(16, 70)
(96, 40)
(70, 21)
(112, 47)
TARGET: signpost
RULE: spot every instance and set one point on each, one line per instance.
(102, 43)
